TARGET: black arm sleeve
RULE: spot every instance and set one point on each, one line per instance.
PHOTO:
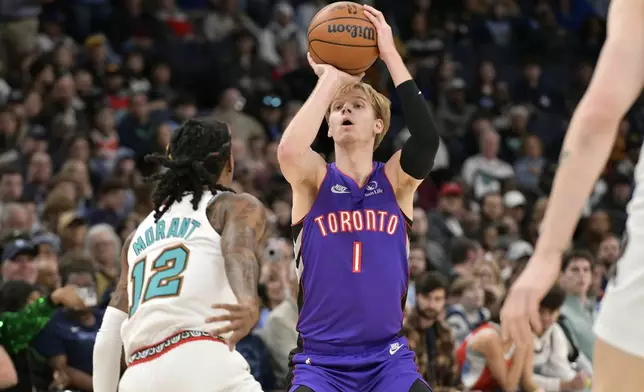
(417, 156)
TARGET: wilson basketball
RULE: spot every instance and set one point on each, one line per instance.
(341, 35)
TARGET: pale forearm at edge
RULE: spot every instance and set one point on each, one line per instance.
(586, 149)
(397, 69)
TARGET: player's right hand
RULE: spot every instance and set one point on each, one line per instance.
(68, 298)
(332, 72)
(520, 313)
(241, 318)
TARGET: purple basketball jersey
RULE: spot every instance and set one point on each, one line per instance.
(351, 252)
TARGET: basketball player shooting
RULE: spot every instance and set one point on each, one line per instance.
(619, 349)
(199, 245)
(349, 225)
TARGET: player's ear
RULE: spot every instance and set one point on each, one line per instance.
(378, 127)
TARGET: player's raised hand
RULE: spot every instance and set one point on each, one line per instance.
(386, 44)
(520, 312)
(332, 72)
(241, 320)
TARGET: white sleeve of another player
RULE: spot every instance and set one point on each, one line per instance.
(107, 351)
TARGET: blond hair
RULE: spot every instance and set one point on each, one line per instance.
(463, 284)
(381, 105)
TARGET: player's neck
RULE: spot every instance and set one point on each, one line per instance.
(357, 164)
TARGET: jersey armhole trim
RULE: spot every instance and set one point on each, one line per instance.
(408, 220)
(315, 199)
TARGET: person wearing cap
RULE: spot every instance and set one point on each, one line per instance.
(429, 337)
(18, 261)
(48, 244)
(517, 256)
(454, 112)
(72, 229)
(443, 222)
(514, 203)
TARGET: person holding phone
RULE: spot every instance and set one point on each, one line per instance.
(67, 342)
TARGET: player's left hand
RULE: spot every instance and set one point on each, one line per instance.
(241, 320)
(386, 44)
(520, 312)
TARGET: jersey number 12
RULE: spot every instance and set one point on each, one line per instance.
(166, 279)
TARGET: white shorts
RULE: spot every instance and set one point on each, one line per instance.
(621, 313)
(196, 366)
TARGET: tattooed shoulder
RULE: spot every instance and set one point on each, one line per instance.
(241, 210)
(216, 211)
(119, 298)
(563, 156)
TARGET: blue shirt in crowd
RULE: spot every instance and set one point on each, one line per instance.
(64, 335)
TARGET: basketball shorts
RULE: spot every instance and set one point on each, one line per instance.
(385, 368)
(189, 361)
(621, 313)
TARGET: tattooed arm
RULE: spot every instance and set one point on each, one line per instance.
(240, 219)
(107, 348)
(119, 298)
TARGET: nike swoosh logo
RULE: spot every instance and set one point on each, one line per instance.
(339, 189)
(394, 349)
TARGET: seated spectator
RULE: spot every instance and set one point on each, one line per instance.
(110, 203)
(463, 258)
(444, 223)
(72, 229)
(18, 261)
(24, 312)
(485, 172)
(280, 329)
(103, 245)
(67, 342)
(488, 364)
(577, 313)
(418, 265)
(429, 337)
(468, 312)
(552, 369)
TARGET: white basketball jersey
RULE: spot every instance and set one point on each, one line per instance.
(635, 208)
(176, 273)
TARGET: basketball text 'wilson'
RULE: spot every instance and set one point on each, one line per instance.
(354, 31)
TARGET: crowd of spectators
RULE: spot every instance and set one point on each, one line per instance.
(89, 87)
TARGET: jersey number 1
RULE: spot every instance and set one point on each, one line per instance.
(356, 260)
(166, 279)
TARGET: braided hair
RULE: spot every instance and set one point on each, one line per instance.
(196, 157)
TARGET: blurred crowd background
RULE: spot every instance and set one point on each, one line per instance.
(88, 87)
